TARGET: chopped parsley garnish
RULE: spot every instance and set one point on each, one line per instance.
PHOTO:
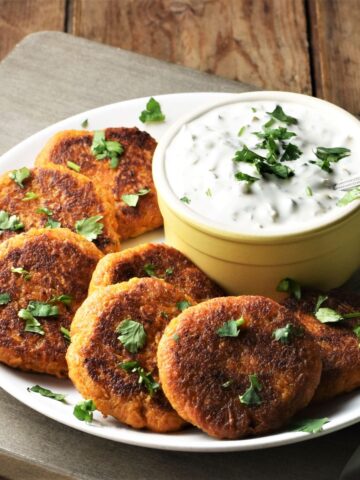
(102, 148)
(73, 166)
(183, 305)
(320, 300)
(85, 123)
(4, 298)
(280, 133)
(10, 222)
(251, 395)
(227, 383)
(65, 299)
(31, 324)
(349, 196)
(287, 333)
(51, 223)
(152, 113)
(309, 191)
(185, 199)
(45, 211)
(29, 196)
(310, 425)
(21, 271)
(65, 333)
(132, 335)
(328, 315)
(291, 152)
(280, 115)
(60, 397)
(248, 156)
(150, 269)
(42, 309)
(132, 199)
(19, 176)
(277, 169)
(83, 410)
(327, 156)
(245, 177)
(241, 131)
(262, 164)
(290, 286)
(90, 228)
(231, 328)
(145, 378)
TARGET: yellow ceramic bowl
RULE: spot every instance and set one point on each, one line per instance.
(324, 255)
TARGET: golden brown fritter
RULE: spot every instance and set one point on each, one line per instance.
(59, 262)
(96, 352)
(157, 260)
(133, 173)
(337, 343)
(68, 195)
(203, 374)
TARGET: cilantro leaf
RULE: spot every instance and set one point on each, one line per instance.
(185, 199)
(320, 300)
(326, 156)
(152, 113)
(245, 177)
(21, 271)
(8, 222)
(290, 286)
(51, 223)
(65, 299)
(280, 115)
(231, 328)
(4, 298)
(349, 196)
(251, 395)
(150, 269)
(145, 378)
(291, 152)
(65, 333)
(31, 324)
(285, 334)
(47, 393)
(328, 315)
(183, 305)
(310, 425)
(20, 175)
(102, 148)
(83, 410)
(90, 228)
(45, 211)
(280, 133)
(131, 199)
(246, 155)
(277, 169)
(73, 166)
(42, 309)
(132, 335)
(29, 196)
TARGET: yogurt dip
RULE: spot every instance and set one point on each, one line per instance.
(262, 166)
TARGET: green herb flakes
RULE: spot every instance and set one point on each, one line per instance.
(73, 166)
(251, 395)
(245, 177)
(19, 176)
(47, 393)
(21, 271)
(231, 328)
(102, 149)
(5, 298)
(90, 228)
(45, 211)
(320, 300)
(42, 309)
(29, 196)
(349, 196)
(132, 335)
(287, 333)
(328, 315)
(152, 113)
(290, 286)
(51, 223)
(242, 131)
(132, 199)
(281, 116)
(10, 222)
(183, 305)
(309, 191)
(327, 156)
(65, 299)
(310, 425)
(185, 199)
(149, 269)
(66, 334)
(31, 324)
(145, 378)
(83, 411)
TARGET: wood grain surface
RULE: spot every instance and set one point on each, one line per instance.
(309, 46)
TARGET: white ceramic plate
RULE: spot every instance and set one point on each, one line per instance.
(341, 412)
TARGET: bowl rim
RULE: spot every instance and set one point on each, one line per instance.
(200, 222)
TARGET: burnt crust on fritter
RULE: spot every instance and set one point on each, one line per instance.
(195, 363)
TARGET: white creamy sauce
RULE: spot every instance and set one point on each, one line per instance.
(200, 167)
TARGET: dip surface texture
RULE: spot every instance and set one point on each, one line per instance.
(220, 168)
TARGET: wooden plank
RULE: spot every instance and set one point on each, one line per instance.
(21, 17)
(335, 46)
(263, 42)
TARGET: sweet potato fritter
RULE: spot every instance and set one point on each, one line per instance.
(133, 173)
(51, 263)
(337, 342)
(156, 260)
(69, 196)
(96, 353)
(204, 375)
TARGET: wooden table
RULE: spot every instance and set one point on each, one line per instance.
(308, 46)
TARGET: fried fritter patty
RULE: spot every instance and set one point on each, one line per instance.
(95, 353)
(69, 196)
(132, 174)
(54, 262)
(337, 342)
(156, 260)
(204, 375)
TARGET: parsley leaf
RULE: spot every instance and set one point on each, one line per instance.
(328, 315)
(45, 211)
(251, 395)
(231, 328)
(152, 113)
(42, 309)
(83, 411)
(280, 133)
(20, 175)
(32, 325)
(102, 148)
(65, 299)
(73, 166)
(4, 298)
(277, 169)
(47, 393)
(29, 196)
(21, 271)
(349, 196)
(51, 223)
(8, 222)
(131, 199)
(245, 177)
(310, 425)
(320, 300)
(246, 155)
(185, 199)
(132, 335)
(85, 123)
(183, 305)
(150, 269)
(66, 334)
(90, 228)
(285, 334)
(291, 152)
(290, 286)
(280, 115)
(326, 156)
(145, 378)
